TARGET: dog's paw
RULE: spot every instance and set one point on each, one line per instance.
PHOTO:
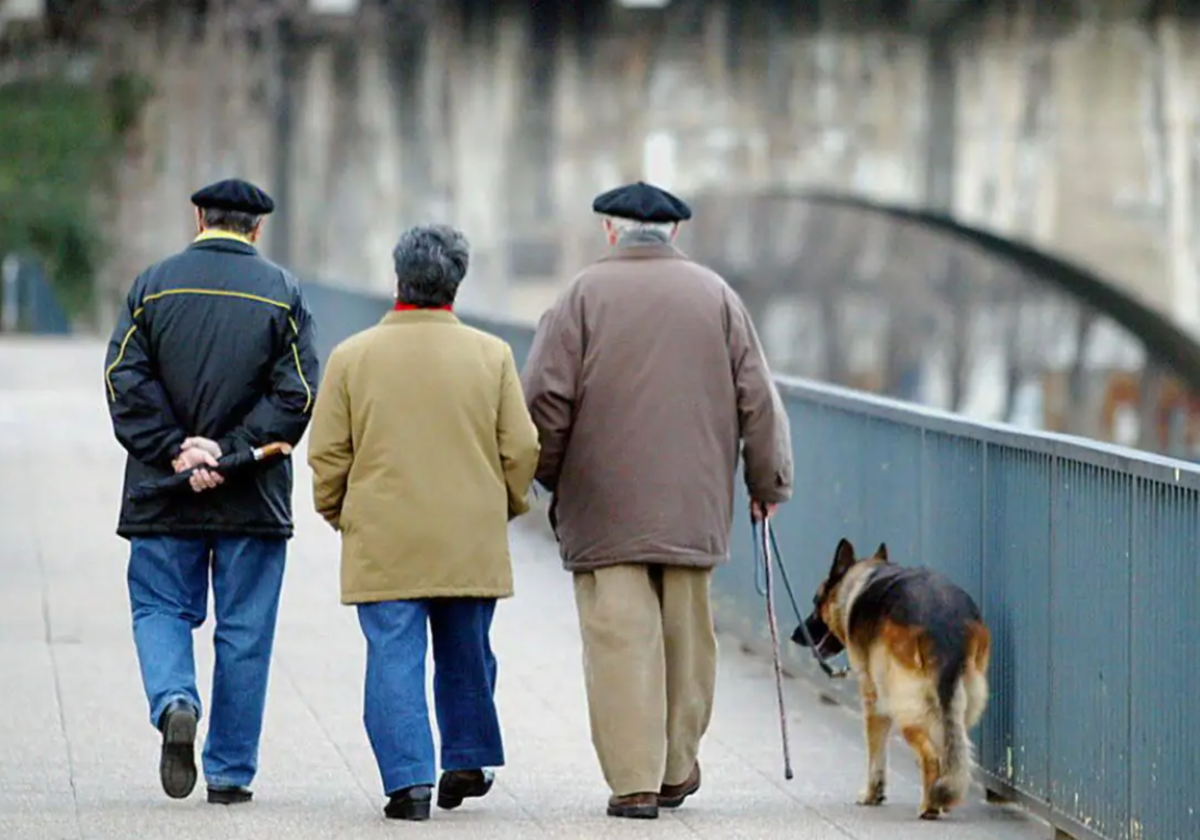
(930, 812)
(873, 794)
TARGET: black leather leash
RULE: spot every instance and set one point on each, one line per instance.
(765, 544)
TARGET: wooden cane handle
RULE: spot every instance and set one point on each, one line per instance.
(271, 450)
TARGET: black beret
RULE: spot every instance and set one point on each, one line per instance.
(642, 202)
(234, 194)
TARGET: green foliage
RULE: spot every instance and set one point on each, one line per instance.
(58, 141)
(127, 95)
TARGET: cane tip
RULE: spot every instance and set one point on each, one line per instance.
(788, 774)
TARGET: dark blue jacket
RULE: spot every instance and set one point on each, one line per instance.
(215, 341)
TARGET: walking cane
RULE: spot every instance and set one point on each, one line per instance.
(765, 532)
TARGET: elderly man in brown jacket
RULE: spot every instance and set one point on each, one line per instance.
(422, 450)
(643, 379)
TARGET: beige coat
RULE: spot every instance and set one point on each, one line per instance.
(422, 451)
(643, 379)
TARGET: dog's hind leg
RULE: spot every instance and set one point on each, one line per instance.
(878, 727)
(976, 686)
(975, 680)
(923, 745)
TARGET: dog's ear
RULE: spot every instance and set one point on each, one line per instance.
(881, 553)
(843, 559)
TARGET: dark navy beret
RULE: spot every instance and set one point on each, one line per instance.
(642, 202)
(234, 194)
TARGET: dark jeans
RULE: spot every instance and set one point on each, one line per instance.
(395, 711)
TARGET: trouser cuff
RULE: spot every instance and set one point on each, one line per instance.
(472, 759)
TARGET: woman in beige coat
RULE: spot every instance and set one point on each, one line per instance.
(422, 450)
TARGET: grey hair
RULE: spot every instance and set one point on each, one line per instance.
(430, 262)
(633, 229)
(234, 221)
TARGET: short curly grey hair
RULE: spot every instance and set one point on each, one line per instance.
(430, 262)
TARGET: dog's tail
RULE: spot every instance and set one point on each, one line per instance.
(962, 695)
(958, 758)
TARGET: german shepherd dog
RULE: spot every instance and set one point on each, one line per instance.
(920, 651)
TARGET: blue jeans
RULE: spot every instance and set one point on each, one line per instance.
(395, 712)
(168, 594)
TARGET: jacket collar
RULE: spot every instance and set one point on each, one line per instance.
(665, 250)
(223, 240)
(420, 316)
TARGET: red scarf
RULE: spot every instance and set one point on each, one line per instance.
(408, 307)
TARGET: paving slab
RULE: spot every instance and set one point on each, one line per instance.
(78, 758)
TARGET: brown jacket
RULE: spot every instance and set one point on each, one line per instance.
(643, 378)
(422, 450)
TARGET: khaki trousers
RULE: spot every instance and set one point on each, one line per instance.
(650, 669)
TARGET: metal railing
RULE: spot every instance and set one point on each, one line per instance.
(28, 303)
(1082, 556)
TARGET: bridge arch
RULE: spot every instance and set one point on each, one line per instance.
(917, 305)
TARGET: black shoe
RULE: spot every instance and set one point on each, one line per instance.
(457, 785)
(411, 803)
(229, 795)
(177, 765)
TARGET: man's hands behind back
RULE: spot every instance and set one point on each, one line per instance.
(199, 452)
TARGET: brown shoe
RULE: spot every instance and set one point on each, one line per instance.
(634, 806)
(672, 796)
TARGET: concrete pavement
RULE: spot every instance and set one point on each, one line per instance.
(78, 758)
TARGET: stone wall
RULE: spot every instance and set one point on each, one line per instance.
(1079, 135)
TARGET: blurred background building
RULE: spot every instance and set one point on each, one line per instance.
(1072, 126)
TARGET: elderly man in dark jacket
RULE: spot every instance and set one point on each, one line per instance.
(643, 379)
(213, 354)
